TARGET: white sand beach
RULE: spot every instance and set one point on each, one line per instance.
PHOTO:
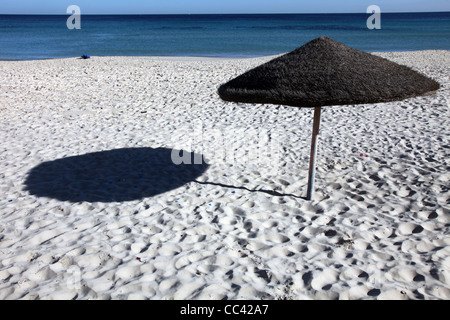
(93, 206)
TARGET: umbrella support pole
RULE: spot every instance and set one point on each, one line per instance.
(312, 159)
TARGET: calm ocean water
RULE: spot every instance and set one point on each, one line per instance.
(47, 36)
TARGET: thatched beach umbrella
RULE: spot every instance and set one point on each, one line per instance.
(324, 72)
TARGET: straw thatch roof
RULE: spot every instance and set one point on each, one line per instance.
(325, 72)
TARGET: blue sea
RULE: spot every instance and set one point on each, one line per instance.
(25, 37)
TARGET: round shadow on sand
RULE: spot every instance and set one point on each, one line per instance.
(112, 176)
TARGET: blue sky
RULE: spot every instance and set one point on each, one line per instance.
(211, 6)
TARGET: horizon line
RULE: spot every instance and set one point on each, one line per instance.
(266, 13)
